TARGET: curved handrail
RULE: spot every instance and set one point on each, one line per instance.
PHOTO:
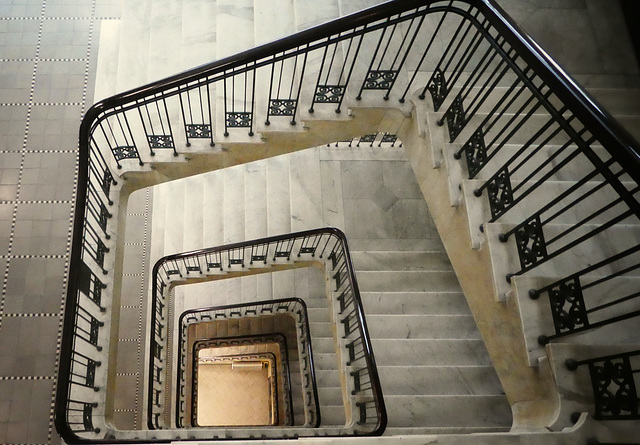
(616, 140)
(321, 247)
(299, 301)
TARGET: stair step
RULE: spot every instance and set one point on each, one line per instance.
(213, 200)
(107, 65)
(618, 101)
(174, 218)
(133, 60)
(421, 431)
(409, 261)
(399, 281)
(193, 214)
(330, 396)
(198, 32)
(485, 411)
(422, 326)
(432, 352)
(255, 186)
(323, 345)
(165, 39)
(439, 380)
(278, 195)
(234, 205)
(332, 200)
(234, 27)
(332, 414)
(327, 378)
(306, 202)
(373, 244)
(310, 13)
(324, 360)
(414, 303)
(320, 330)
(273, 20)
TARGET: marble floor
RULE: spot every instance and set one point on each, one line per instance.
(48, 51)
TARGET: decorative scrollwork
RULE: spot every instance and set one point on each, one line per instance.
(160, 141)
(125, 152)
(530, 242)
(475, 153)
(239, 120)
(389, 138)
(500, 193)
(282, 107)
(567, 306)
(438, 88)
(198, 131)
(614, 388)
(380, 79)
(101, 250)
(104, 216)
(456, 118)
(367, 138)
(329, 94)
(105, 183)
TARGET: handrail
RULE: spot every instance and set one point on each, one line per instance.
(329, 244)
(269, 357)
(260, 307)
(95, 187)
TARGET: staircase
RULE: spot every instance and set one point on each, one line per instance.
(395, 262)
(434, 306)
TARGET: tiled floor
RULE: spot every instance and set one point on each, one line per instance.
(47, 64)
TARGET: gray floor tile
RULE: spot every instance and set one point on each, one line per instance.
(65, 39)
(20, 39)
(15, 81)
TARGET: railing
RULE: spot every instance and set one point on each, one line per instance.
(293, 306)
(284, 380)
(327, 245)
(267, 358)
(615, 385)
(520, 120)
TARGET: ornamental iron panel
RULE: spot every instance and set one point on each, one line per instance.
(438, 89)
(329, 94)
(475, 153)
(380, 79)
(389, 138)
(160, 141)
(238, 120)
(614, 389)
(567, 306)
(107, 180)
(282, 107)
(530, 242)
(198, 131)
(456, 118)
(125, 152)
(500, 193)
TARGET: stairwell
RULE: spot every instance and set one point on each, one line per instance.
(432, 281)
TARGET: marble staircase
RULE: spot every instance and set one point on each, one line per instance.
(410, 353)
(436, 373)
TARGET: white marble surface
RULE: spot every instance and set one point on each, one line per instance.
(255, 189)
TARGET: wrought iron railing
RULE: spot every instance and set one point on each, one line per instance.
(615, 383)
(268, 358)
(326, 245)
(293, 306)
(519, 119)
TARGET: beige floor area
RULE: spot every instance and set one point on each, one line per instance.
(233, 397)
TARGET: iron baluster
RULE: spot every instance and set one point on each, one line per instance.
(613, 380)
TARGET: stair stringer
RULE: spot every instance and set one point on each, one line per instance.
(530, 390)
